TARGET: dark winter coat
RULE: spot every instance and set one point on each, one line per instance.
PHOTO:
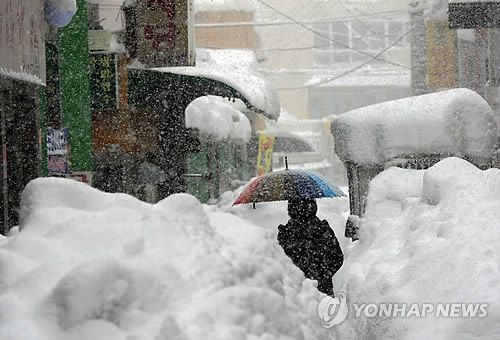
(310, 242)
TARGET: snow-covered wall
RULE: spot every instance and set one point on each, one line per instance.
(22, 40)
(456, 122)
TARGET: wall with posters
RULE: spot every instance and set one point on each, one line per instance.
(22, 50)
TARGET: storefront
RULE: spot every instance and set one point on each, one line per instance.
(22, 75)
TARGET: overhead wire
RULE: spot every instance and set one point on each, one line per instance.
(343, 74)
(331, 39)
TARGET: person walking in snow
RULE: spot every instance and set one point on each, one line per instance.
(311, 244)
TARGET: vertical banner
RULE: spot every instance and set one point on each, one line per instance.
(103, 81)
(58, 151)
(265, 154)
(441, 55)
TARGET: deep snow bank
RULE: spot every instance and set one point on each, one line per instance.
(91, 265)
(428, 237)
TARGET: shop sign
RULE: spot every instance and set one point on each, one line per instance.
(265, 154)
(164, 32)
(103, 81)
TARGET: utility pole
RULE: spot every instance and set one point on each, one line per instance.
(418, 48)
(5, 189)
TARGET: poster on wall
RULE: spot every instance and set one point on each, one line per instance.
(265, 154)
(58, 151)
(82, 176)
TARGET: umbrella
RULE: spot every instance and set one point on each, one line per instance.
(287, 185)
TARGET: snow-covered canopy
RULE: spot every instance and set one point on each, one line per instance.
(225, 5)
(456, 122)
(235, 68)
(218, 117)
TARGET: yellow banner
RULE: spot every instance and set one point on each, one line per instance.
(265, 154)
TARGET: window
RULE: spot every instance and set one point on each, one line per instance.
(370, 36)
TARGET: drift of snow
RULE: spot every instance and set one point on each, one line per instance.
(218, 117)
(428, 236)
(456, 122)
(92, 265)
(238, 69)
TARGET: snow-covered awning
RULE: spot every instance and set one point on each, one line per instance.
(456, 122)
(237, 69)
(218, 117)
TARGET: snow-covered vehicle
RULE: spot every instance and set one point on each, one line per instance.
(414, 132)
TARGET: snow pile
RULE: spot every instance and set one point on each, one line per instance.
(428, 236)
(456, 122)
(238, 69)
(218, 117)
(91, 265)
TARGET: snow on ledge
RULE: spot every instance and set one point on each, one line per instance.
(23, 76)
(456, 122)
(235, 68)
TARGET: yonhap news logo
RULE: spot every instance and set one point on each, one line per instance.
(333, 310)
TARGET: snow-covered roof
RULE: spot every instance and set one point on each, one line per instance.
(456, 122)
(235, 68)
(218, 117)
(225, 5)
(366, 78)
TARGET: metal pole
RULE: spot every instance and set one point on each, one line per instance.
(418, 48)
(5, 190)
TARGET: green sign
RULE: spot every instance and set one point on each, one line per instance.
(103, 81)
